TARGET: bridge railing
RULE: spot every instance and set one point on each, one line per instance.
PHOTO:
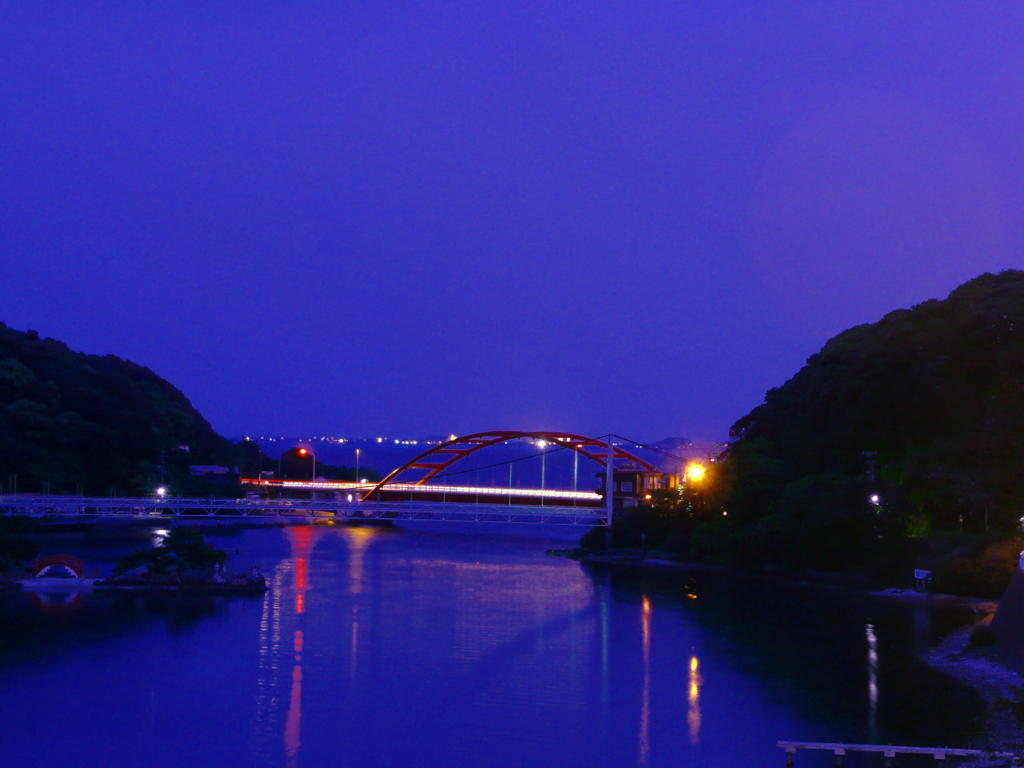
(290, 509)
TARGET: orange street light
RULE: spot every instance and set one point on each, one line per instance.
(695, 472)
(304, 452)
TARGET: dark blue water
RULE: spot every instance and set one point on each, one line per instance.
(423, 648)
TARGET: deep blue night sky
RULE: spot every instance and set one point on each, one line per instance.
(411, 217)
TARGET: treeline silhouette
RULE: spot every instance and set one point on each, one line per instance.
(898, 444)
(73, 422)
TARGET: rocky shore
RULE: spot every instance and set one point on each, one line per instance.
(1000, 686)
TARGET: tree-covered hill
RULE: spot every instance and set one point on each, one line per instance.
(909, 426)
(931, 397)
(71, 421)
(922, 411)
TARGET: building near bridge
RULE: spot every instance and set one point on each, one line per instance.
(632, 484)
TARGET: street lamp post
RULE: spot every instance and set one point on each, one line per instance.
(307, 452)
(357, 466)
(542, 444)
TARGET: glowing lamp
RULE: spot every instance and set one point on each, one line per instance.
(695, 472)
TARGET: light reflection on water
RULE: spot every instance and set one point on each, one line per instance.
(869, 633)
(693, 701)
(645, 700)
(382, 647)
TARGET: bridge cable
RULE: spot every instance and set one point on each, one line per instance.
(502, 463)
(652, 448)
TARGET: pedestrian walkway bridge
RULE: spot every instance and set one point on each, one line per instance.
(294, 510)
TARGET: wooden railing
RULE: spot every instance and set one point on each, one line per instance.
(889, 752)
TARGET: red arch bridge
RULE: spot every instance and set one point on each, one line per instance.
(409, 492)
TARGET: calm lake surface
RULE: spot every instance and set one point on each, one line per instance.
(399, 647)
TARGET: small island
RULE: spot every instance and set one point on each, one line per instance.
(183, 561)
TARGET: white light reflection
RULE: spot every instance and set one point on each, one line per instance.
(645, 704)
(605, 601)
(293, 721)
(869, 633)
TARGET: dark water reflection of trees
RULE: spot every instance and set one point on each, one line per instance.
(38, 625)
(829, 654)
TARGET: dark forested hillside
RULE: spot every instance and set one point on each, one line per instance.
(71, 421)
(907, 426)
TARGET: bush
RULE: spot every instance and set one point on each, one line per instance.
(979, 570)
(634, 527)
(15, 549)
(982, 636)
(184, 550)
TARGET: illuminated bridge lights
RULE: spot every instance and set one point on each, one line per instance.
(331, 485)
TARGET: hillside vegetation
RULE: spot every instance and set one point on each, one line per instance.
(924, 408)
(933, 396)
(71, 421)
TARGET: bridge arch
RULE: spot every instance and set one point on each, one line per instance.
(439, 457)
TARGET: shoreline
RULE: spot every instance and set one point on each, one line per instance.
(979, 606)
(1000, 687)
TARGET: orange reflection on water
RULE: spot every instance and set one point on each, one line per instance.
(645, 705)
(693, 716)
(357, 538)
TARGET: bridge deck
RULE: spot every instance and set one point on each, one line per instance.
(51, 507)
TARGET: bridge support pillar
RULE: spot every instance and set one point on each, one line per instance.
(609, 483)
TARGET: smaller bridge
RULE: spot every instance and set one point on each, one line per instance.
(436, 493)
(295, 510)
(68, 565)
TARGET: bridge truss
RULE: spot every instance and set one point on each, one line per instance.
(439, 458)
